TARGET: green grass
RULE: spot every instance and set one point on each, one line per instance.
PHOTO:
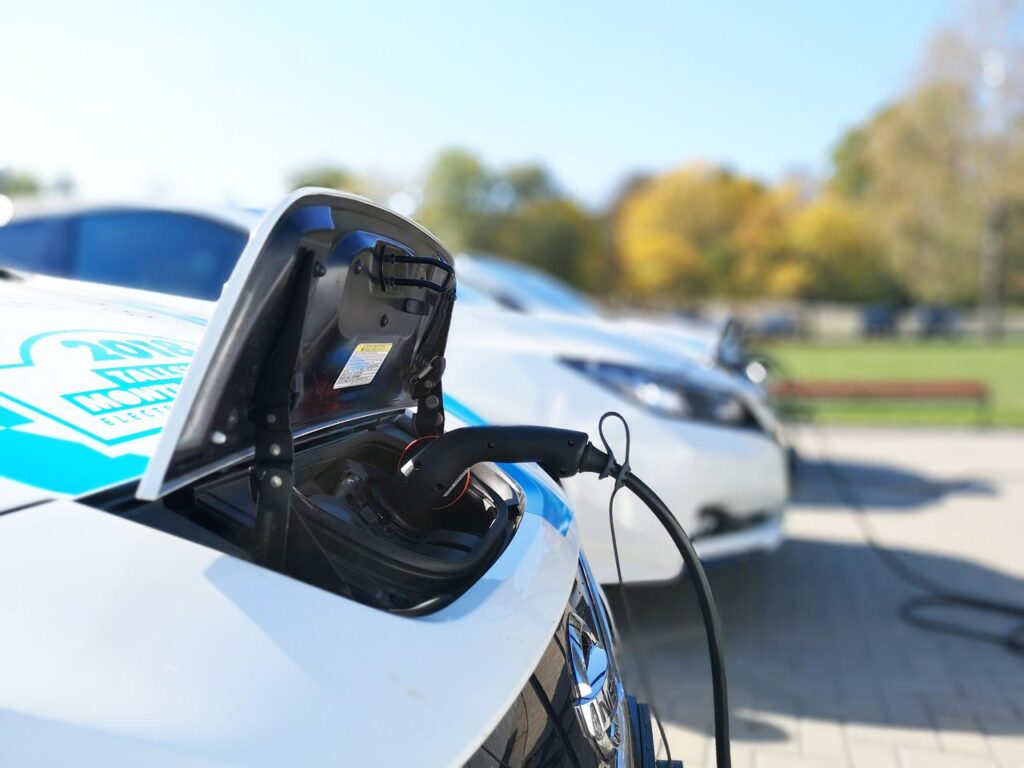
(1000, 365)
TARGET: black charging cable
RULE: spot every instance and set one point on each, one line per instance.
(935, 596)
(431, 474)
(645, 678)
(709, 613)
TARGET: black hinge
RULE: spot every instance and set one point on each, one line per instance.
(426, 388)
(275, 394)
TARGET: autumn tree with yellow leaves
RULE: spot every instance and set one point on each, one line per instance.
(676, 236)
(703, 231)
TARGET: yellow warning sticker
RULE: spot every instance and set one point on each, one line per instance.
(363, 365)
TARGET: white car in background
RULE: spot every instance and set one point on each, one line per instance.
(702, 440)
(522, 288)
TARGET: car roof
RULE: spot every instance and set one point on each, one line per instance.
(88, 374)
(236, 217)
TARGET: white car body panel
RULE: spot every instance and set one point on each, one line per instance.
(505, 366)
(129, 646)
(14, 495)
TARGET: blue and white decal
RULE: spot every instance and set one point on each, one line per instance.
(77, 405)
(110, 386)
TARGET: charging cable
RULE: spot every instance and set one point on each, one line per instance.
(645, 678)
(934, 595)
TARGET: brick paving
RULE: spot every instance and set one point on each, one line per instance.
(822, 672)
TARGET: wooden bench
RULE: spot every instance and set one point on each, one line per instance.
(911, 390)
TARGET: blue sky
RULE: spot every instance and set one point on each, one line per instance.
(222, 100)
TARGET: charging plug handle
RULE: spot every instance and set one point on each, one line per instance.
(426, 477)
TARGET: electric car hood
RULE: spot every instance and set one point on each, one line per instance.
(696, 340)
(371, 292)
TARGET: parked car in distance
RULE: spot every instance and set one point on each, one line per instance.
(879, 321)
(522, 288)
(155, 621)
(936, 321)
(776, 325)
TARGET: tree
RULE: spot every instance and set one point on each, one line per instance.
(851, 175)
(841, 255)
(458, 201)
(921, 187)
(517, 213)
(18, 184)
(530, 183)
(676, 236)
(556, 236)
(1011, 242)
(941, 170)
(767, 265)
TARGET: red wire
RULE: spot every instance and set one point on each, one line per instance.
(465, 487)
(401, 460)
(401, 457)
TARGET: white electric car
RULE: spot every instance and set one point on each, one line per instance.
(703, 441)
(522, 288)
(200, 551)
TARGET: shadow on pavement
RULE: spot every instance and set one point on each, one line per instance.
(877, 485)
(812, 632)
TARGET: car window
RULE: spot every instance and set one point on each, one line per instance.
(529, 290)
(550, 294)
(469, 295)
(32, 246)
(156, 250)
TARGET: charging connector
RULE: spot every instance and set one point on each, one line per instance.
(430, 475)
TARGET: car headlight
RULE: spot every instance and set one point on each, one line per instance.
(667, 394)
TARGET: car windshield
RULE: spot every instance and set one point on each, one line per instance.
(157, 251)
(524, 288)
(470, 295)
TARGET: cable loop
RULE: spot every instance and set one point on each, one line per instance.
(610, 465)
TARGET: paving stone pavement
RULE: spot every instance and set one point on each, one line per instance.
(822, 672)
